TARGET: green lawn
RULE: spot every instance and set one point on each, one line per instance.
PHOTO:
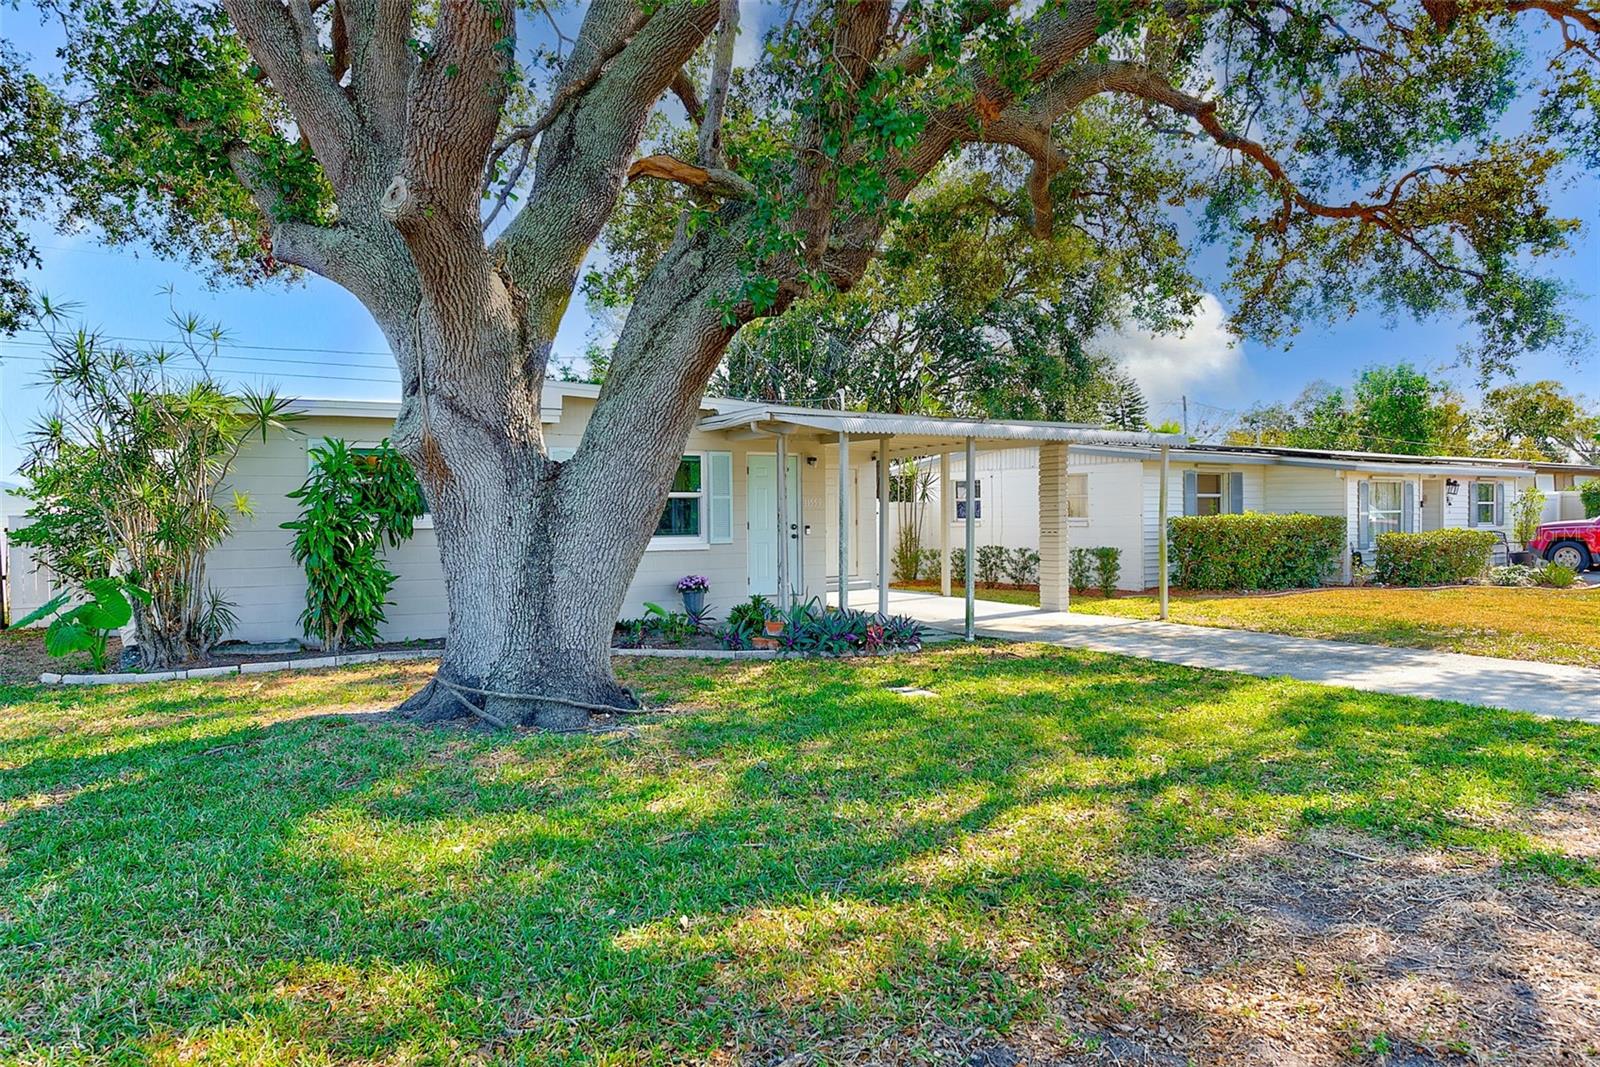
(796, 860)
(1548, 625)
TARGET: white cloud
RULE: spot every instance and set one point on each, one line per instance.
(1205, 357)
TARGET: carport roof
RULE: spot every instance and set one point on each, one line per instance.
(914, 434)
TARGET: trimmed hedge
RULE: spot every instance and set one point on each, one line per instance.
(1254, 550)
(1433, 557)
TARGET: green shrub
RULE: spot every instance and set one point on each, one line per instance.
(1589, 492)
(1107, 569)
(958, 566)
(1022, 566)
(991, 564)
(1526, 512)
(1255, 551)
(908, 554)
(1434, 557)
(1080, 570)
(1557, 576)
(352, 503)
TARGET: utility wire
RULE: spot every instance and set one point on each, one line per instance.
(220, 343)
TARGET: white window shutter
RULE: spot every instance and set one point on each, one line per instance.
(719, 491)
(1191, 504)
(1408, 508)
(1236, 492)
(1499, 503)
(1472, 503)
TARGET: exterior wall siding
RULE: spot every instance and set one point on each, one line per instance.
(253, 568)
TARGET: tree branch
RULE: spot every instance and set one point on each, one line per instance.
(709, 148)
(683, 88)
(713, 181)
(276, 38)
(568, 89)
(455, 98)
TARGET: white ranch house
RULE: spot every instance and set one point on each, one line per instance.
(757, 475)
(1113, 494)
(732, 505)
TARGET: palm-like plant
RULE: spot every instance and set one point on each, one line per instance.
(128, 474)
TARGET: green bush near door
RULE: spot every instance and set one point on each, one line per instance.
(1254, 550)
(1433, 557)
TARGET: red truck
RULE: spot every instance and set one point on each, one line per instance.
(1575, 543)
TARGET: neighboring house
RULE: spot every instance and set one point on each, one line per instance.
(1113, 494)
(721, 520)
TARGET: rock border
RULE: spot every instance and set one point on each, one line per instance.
(318, 662)
(259, 667)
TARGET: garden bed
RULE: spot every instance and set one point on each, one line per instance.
(25, 660)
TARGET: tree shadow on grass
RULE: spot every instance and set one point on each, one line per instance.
(805, 857)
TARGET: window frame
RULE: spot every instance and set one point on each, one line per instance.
(1372, 531)
(688, 542)
(1220, 496)
(421, 522)
(1475, 515)
(1080, 514)
(957, 504)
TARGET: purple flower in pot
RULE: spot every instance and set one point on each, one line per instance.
(693, 589)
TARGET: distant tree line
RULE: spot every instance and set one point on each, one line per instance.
(1401, 409)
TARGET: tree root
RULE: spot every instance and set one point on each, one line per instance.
(444, 700)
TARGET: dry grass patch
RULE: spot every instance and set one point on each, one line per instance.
(1341, 948)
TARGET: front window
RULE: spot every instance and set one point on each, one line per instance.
(685, 501)
(977, 501)
(1483, 503)
(1077, 496)
(1383, 510)
(1207, 494)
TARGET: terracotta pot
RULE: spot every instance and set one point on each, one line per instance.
(765, 643)
(774, 627)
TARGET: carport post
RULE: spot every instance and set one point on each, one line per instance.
(972, 543)
(947, 493)
(844, 520)
(783, 522)
(883, 526)
(1161, 534)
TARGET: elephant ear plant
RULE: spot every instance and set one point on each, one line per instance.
(88, 625)
(353, 502)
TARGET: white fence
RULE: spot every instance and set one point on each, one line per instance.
(1560, 507)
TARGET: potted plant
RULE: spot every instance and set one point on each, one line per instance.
(693, 587)
(1527, 512)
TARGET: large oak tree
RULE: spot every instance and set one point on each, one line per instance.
(1358, 153)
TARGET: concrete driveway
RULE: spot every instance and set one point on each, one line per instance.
(1547, 689)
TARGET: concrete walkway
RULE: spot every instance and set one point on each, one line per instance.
(1542, 688)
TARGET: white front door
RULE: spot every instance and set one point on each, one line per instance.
(761, 511)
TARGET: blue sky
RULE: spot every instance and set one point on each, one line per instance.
(312, 339)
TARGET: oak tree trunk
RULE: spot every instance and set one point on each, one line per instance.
(538, 554)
